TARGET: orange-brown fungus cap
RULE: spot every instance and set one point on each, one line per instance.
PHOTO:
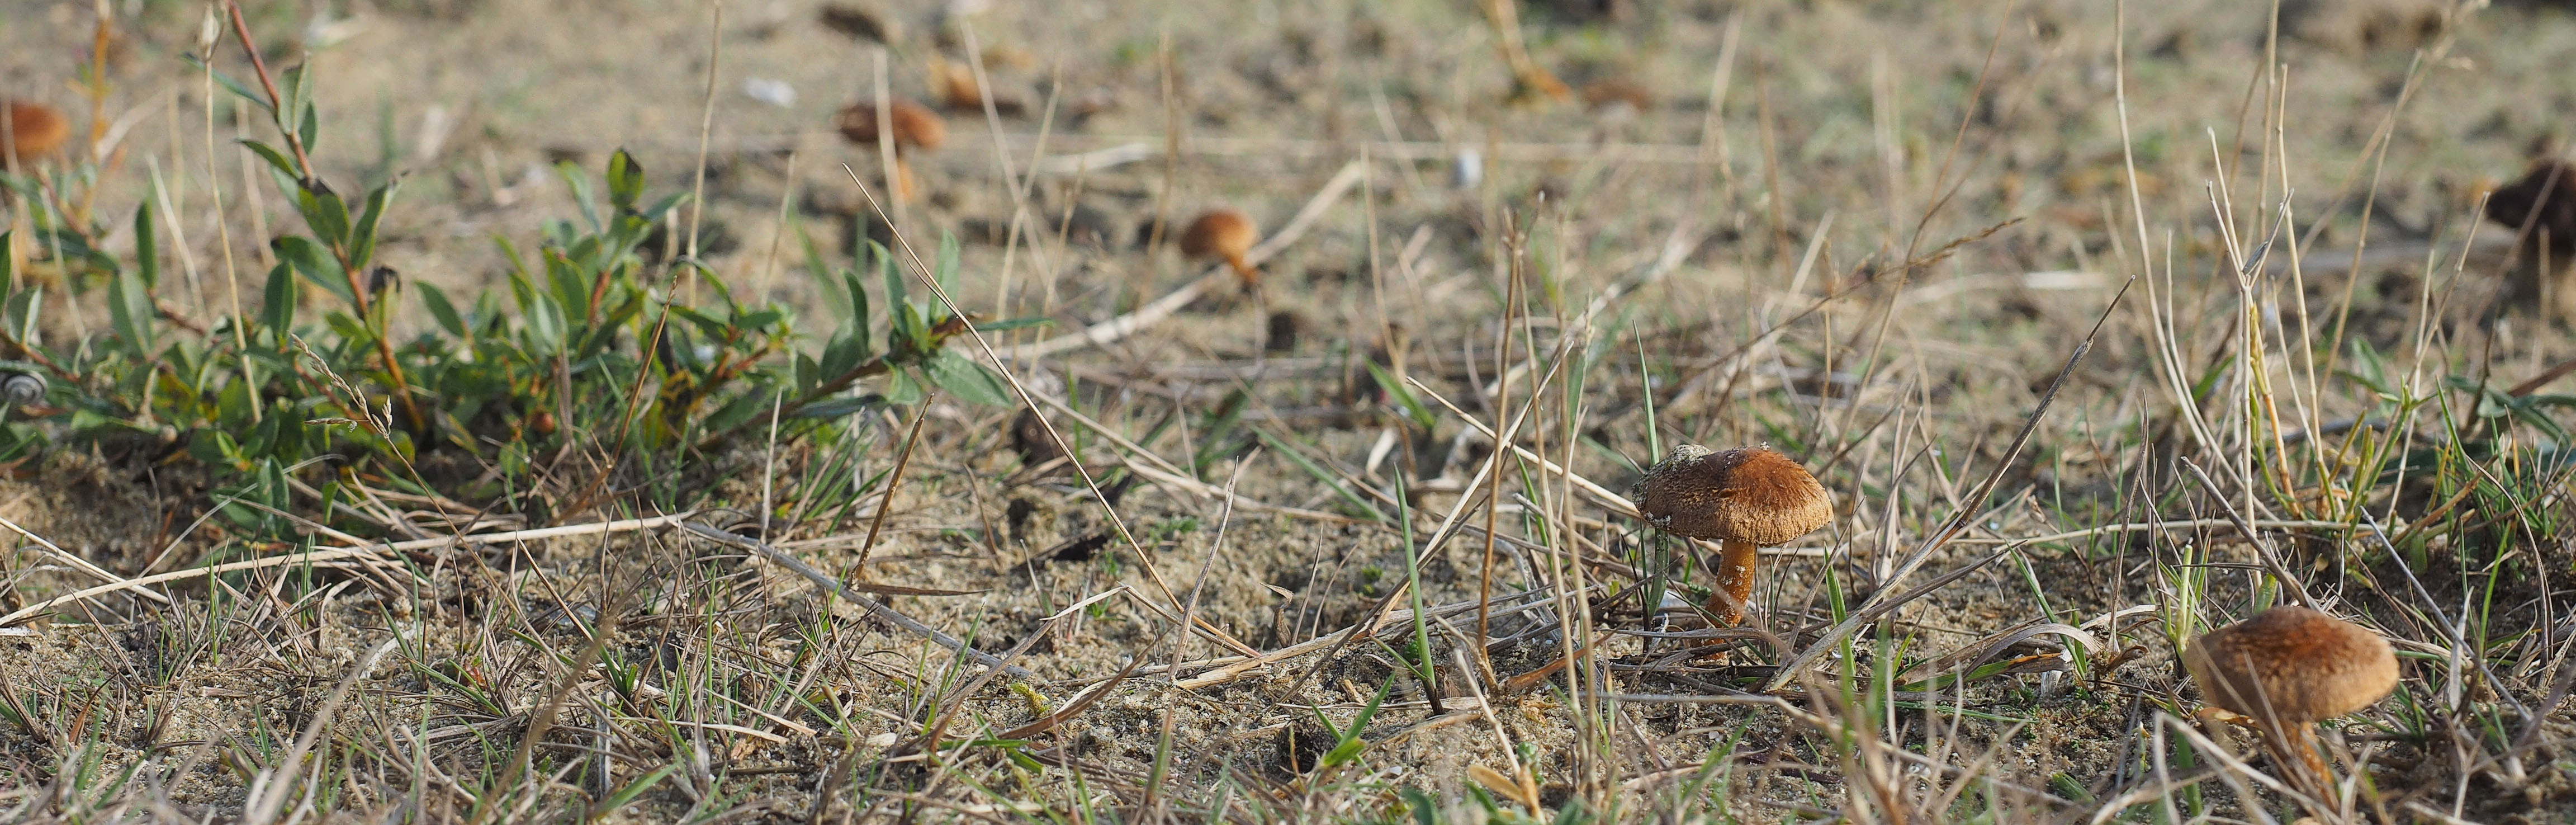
(1750, 494)
(915, 125)
(37, 129)
(1220, 233)
(2297, 663)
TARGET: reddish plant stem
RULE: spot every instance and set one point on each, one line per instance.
(276, 102)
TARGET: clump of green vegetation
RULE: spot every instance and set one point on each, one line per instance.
(593, 347)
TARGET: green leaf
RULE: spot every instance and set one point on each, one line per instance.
(277, 308)
(838, 407)
(636, 788)
(1008, 324)
(742, 408)
(707, 325)
(275, 160)
(1403, 396)
(228, 82)
(1420, 805)
(129, 310)
(316, 265)
(147, 247)
(324, 212)
(1351, 744)
(625, 181)
(944, 270)
(843, 353)
(362, 237)
(569, 284)
(311, 131)
(441, 309)
(857, 318)
(966, 379)
(885, 269)
(580, 183)
(903, 388)
(663, 206)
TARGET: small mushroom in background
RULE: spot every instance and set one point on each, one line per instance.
(954, 82)
(2288, 668)
(2359, 27)
(2544, 271)
(861, 22)
(1745, 499)
(1284, 327)
(1226, 235)
(1029, 438)
(33, 130)
(1617, 98)
(916, 129)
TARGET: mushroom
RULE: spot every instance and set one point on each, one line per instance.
(1225, 234)
(31, 130)
(954, 80)
(916, 128)
(2544, 200)
(1745, 499)
(2287, 668)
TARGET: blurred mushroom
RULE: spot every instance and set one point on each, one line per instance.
(1224, 234)
(861, 22)
(2545, 201)
(954, 80)
(1282, 337)
(1617, 97)
(2287, 668)
(2359, 26)
(1745, 499)
(31, 130)
(1029, 438)
(916, 128)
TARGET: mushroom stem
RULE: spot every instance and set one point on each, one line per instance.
(1734, 581)
(903, 183)
(2294, 746)
(1251, 277)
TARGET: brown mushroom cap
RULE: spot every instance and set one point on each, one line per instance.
(2549, 190)
(2299, 664)
(1221, 233)
(915, 125)
(1752, 494)
(36, 129)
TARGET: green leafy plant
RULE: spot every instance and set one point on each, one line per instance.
(589, 341)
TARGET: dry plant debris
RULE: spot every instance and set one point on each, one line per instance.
(380, 447)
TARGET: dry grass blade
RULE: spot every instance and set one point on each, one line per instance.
(1028, 400)
(1887, 598)
(853, 595)
(324, 557)
(1153, 313)
(2079, 643)
(1081, 702)
(74, 559)
(261, 808)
